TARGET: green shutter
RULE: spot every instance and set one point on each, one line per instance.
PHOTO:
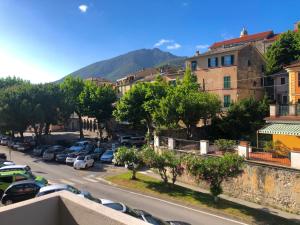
(208, 62)
(232, 59)
(217, 62)
(222, 60)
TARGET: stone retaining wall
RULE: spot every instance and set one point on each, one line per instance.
(268, 185)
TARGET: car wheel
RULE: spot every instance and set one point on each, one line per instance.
(8, 202)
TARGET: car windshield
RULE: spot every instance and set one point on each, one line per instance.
(155, 221)
(110, 152)
(73, 189)
(80, 158)
(114, 205)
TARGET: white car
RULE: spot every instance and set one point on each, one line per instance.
(83, 162)
(15, 167)
(79, 146)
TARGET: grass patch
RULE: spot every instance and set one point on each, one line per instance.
(154, 187)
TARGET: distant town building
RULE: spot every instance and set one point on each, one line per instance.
(232, 73)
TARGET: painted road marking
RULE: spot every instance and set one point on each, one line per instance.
(66, 182)
(78, 181)
(91, 180)
(182, 206)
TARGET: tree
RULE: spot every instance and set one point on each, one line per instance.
(245, 116)
(184, 102)
(15, 108)
(139, 103)
(72, 87)
(97, 101)
(163, 162)
(131, 157)
(214, 170)
(283, 51)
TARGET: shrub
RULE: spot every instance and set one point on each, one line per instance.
(214, 170)
(131, 157)
(225, 144)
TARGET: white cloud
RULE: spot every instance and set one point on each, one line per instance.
(162, 42)
(202, 46)
(174, 46)
(83, 8)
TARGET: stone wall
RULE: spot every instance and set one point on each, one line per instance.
(273, 186)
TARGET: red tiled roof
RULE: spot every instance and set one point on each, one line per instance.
(247, 38)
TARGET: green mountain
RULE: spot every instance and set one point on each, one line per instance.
(130, 62)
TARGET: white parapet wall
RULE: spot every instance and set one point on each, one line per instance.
(295, 160)
(204, 147)
(171, 143)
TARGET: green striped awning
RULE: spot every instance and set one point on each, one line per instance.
(281, 128)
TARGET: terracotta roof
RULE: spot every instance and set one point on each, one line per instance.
(247, 38)
(294, 64)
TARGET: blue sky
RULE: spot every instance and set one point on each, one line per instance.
(43, 40)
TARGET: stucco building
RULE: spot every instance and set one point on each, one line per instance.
(232, 73)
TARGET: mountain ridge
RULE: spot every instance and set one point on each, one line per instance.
(130, 62)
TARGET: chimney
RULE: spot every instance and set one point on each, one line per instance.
(197, 53)
(297, 26)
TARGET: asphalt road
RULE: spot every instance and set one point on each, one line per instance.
(92, 181)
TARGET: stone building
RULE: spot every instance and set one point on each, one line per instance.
(232, 73)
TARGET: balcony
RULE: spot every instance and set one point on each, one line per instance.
(285, 110)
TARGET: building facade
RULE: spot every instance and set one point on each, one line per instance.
(232, 73)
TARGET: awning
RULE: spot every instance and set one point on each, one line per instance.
(281, 128)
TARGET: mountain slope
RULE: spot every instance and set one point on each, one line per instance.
(130, 62)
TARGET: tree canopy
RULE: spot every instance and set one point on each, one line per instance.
(283, 51)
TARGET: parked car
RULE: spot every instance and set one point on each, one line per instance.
(107, 156)
(6, 178)
(39, 150)
(71, 157)
(62, 156)
(124, 139)
(26, 146)
(20, 191)
(6, 163)
(65, 187)
(79, 146)
(4, 141)
(119, 207)
(96, 153)
(83, 162)
(137, 141)
(15, 167)
(147, 217)
(51, 152)
(3, 157)
(15, 145)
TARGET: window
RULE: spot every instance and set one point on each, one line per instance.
(213, 62)
(262, 68)
(20, 177)
(226, 100)
(6, 179)
(284, 100)
(227, 60)
(194, 65)
(249, 62)
(226, 82)
(298, 79)
(282, 80)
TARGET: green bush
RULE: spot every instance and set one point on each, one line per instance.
(131, 157)
(214, 170)
(225, 144)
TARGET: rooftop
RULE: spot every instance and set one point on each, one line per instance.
(246, 38)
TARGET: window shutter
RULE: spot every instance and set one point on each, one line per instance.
(222, 61)
(217, 63)
(232, 59)
(208, 62)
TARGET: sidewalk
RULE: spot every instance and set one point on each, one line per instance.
(268, 209)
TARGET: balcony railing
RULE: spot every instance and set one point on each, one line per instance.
(285, 110)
